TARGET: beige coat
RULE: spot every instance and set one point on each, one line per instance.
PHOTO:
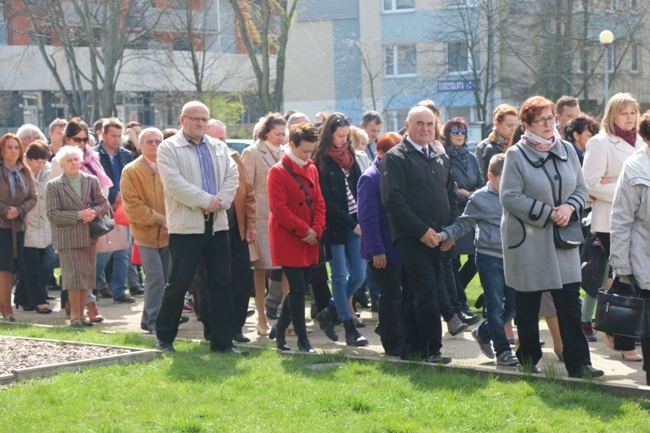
(258, 160)
(604, 158)
(63, 206)
(39, 230)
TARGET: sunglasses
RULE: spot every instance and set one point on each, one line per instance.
(339, 122)
(459, 131)
(80, 139)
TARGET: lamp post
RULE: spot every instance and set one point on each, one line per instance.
(606, 38)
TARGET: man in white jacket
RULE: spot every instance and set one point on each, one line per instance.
(200, 181)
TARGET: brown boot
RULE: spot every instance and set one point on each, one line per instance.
(93, 313)
(67, 308)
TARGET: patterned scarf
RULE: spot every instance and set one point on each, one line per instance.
(629, 136)
(341, 155)
(90, 165)
(498, 141)
(538, 143)
(459, 154)
(16, 178)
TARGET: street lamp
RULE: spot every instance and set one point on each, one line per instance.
(606, 38)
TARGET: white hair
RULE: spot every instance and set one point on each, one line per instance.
(146, 131)
(66, 151)
(28, 130)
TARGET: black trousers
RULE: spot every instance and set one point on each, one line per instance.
(30, 287)
(447, 292)
(320, 287)
(421, 310)
(389, 280)
(567, 304)
(186, 251)
(293, 305)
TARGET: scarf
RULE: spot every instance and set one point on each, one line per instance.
(341, 155)
(299, 162)
(90, 165)
(275, 150)
(538, 143)
(459, 154)
(629, 136)
(498, 141)
(16, 178)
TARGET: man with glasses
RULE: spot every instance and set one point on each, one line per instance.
(114, 158)
(200, 181)
(419, 193)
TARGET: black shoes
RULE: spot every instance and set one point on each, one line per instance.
(105, 292)
(305, 346)
(136, 291)
(352, 335)
(183, 319)
(586, 372)
(165, 347)
(437, 359)
(250, 313)
(325, 320)
(279, 337)
(272, 313)
(239, 338)
(44, 310)
(469, 317)
(124, 299)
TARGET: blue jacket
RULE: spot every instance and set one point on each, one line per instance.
(124, 157)
(373, 217)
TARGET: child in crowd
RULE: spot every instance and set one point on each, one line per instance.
(484, 211)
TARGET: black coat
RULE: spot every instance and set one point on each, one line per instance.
(332, 184)
(417, 193)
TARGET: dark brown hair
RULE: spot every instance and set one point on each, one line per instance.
(74, 126)
(38, 150)
(326, 132)
(271, 120)
(644, 126)
(303, 132)
(580, 124)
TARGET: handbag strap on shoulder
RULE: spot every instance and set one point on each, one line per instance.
(302, 187)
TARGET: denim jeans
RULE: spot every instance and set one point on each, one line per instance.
(499, 302)
(348, 273)
(120, 268)
(156, 263)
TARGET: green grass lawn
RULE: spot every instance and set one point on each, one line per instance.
(194, 390)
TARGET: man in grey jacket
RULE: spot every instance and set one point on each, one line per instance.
(200, 181)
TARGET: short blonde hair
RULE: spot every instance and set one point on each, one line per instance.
(615, 105)
(357, 137)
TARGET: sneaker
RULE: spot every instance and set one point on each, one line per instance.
(455, 325)
(124, 299)
(507, 358)
(588, 331)
(486, 348)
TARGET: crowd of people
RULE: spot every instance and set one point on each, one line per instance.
(408, 217)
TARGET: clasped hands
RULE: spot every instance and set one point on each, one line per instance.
(87, 215)
(561, 215)
(215, 205)
(433, 239)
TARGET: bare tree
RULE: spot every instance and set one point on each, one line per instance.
(93, 37)
(263, 27)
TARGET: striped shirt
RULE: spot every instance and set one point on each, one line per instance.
(352, 203)
(208, 179)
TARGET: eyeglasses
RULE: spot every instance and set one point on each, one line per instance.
(197, 119)
(79, 139)
(156, 142)
(459, 131)
(543, 122)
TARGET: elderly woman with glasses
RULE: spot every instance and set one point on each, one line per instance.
(469, 178)
(543, 190)
(339, 174)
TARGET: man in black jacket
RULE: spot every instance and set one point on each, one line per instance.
(419, 194)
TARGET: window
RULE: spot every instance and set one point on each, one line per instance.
(634, 58)
(583, 60)
(398, 5)
(611, 5)
(611, 58)
(181, 44)
(459, 3)
(400, 60)
(394, 119)
(459, 58)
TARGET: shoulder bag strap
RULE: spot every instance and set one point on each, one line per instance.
(302, 187)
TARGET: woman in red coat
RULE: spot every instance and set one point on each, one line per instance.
(296, 224)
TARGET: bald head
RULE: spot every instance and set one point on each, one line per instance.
(420, 125)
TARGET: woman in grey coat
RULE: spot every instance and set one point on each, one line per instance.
(542, 186)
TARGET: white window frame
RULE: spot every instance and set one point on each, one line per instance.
(393, 8)
(461, 3)
(395, 50)
(469, 59)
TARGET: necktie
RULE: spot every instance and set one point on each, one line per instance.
(425, 152)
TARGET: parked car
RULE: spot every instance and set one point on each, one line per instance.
(238, 144)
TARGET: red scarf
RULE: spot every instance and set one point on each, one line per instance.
(629, 136)
(341, 155)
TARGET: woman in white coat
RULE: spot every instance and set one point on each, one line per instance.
(604, 157)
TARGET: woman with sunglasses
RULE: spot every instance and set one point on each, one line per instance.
(604, 157)
(339, 174)
(76, 134)
(468, 176)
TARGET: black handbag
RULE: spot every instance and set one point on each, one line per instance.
(627, 315)
(322, 248)
(593, 262)
(100, 226)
